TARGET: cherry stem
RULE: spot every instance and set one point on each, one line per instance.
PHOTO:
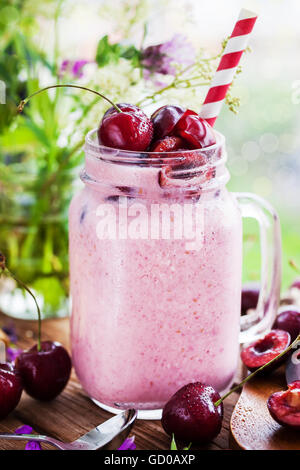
(294, 266)
(25, 101)
(5, 270)
(294, 345)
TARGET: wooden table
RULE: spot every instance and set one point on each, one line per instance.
(73, 413)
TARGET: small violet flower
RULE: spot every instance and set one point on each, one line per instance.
(162, 58)
(10, 330)
(12, 353)
(30, 445)
(128, 444)
(71, 67)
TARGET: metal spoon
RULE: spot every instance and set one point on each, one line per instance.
(108, 435)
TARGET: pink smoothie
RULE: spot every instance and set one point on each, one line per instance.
(149, 316)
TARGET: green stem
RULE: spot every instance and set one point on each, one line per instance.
(294, 266)
(25, 101)
(5, 270)
(249, 377)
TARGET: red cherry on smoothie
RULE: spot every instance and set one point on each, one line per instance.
(284, 406)
(129, 129)
(191, 415)
(165, 119)
(44, 373)
(10, 389)
(169, 144)
(195, 130)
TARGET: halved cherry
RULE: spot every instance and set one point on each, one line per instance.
(195, 130)
(169, 144)
(284, 406)
(265, 349)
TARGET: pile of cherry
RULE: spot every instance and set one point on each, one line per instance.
(170, 129)
(43, 374)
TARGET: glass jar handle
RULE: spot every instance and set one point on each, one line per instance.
(260, 320)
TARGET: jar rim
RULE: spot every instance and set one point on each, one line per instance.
(103, 152)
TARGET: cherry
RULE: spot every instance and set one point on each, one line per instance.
(263, 350)
(296, 284)
(284, 406)
(169, 144)
(165, 119)
(191, 415)
(289, 320)
(195, 130)
(44, 369)
(44, 372)
(10, 389)
(129, 129)
(250, 294)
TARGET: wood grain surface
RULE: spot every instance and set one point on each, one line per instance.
(252, 426)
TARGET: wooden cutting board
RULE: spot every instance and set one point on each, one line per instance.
(252, 427)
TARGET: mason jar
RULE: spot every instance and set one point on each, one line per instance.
(155, 243)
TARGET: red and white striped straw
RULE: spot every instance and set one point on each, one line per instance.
(229, 62)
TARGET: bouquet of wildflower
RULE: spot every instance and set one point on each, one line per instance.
(42, 148)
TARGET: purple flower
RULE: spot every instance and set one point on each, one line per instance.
(77, 68)
(72, 67)
(30, 445)
(33, 445)
(163, 57)
(128, 444)
(25, 429)
(10, 330)
(12, 353)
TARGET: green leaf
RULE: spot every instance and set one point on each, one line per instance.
(131, 53)
(107, 52)
(173, 443)
(111, 53)
(188, 447)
